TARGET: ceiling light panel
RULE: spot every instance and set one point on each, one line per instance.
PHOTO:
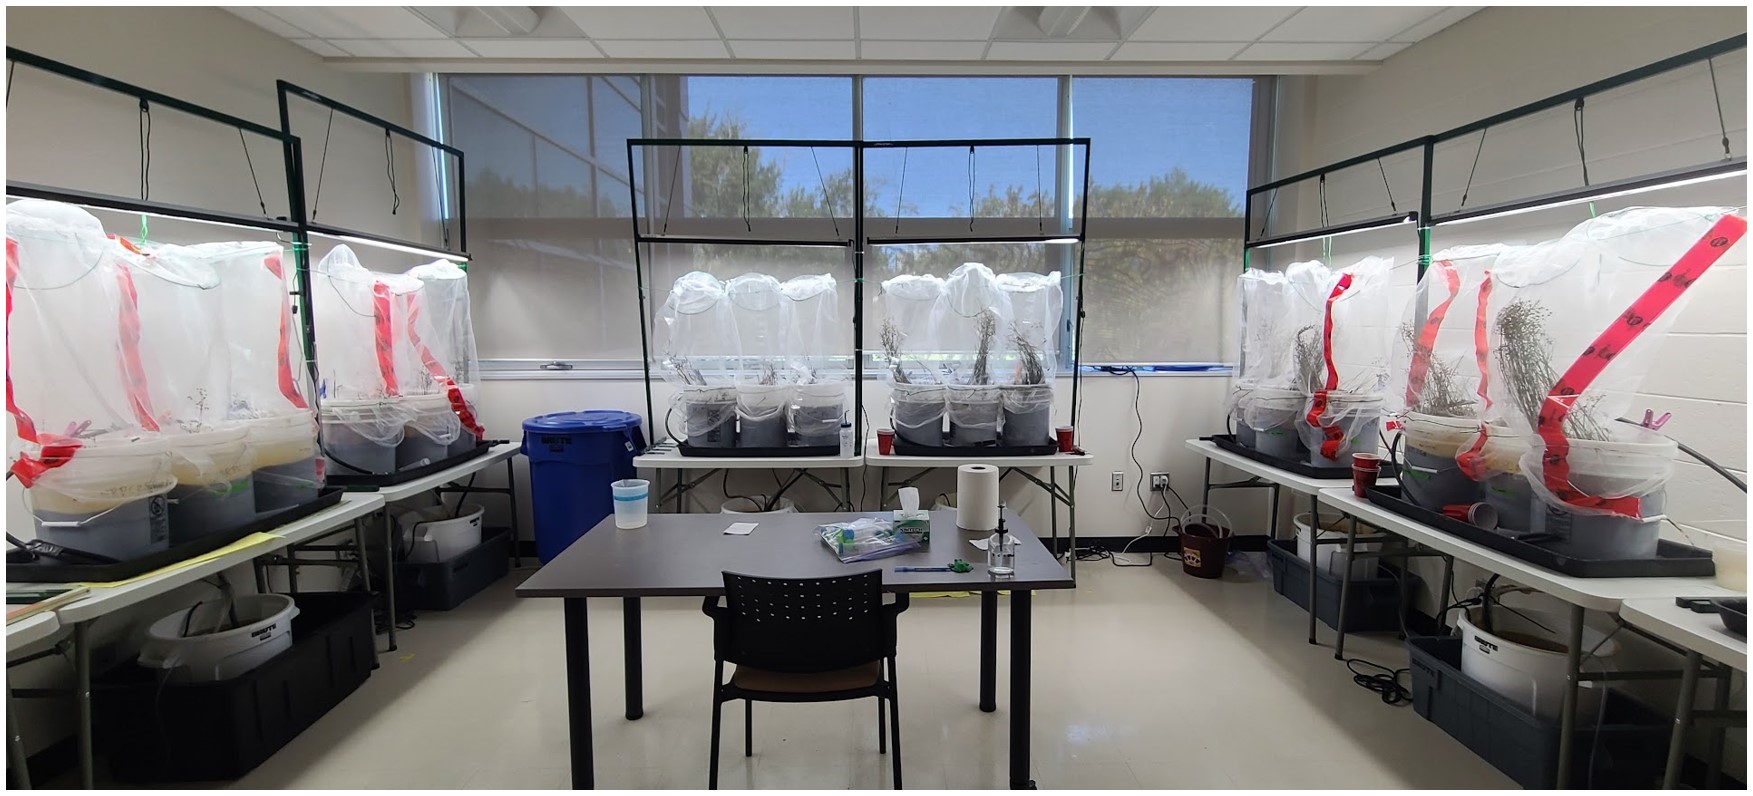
(914, 23)
(654, 22)
(800, 22)
(1175, 23)
(1348, 23)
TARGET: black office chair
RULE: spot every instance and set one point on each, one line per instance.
(818, 640)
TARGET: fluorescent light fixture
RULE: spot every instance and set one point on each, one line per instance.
(169, 212)
(1723, 169)
(948, 241)
(1332, 231)
(391, 244)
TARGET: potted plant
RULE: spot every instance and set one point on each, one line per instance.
(975, 407)
(1028, 401)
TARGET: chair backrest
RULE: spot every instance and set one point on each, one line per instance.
(805, 625)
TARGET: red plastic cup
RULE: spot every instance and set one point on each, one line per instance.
(1065, 434)
(1366, 461)
(885, 441)
(1362, 480)
(1482, 515)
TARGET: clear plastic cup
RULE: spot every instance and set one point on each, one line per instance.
(632, 500)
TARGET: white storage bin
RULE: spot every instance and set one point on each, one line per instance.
(439, 533)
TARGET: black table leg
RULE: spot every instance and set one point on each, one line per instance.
(578, 694)
(1345, 589)
(1020, 643)
(635, 656)
(988, 651)
(1314, 556)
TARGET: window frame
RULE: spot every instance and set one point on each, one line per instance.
(1261, 133)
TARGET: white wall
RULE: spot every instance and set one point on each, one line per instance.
(1501, 58)
(68, 135)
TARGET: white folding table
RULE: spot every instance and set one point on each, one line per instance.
(666, 456)
(1698, 636)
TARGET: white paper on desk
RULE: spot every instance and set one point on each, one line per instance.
(740, 528)
(980, 544)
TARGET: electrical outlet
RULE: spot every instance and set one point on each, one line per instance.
(1119, 481)
(1159, 482)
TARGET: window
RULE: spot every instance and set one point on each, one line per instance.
(551, 202)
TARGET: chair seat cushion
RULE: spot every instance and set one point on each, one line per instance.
(861, 676)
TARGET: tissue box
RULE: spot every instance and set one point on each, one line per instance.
(915, 524)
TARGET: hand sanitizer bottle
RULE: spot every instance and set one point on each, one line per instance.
(1001, 552)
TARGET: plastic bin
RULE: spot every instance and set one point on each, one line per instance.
(437, 533)
(1374, 604)
(443, 585)
(574, 457)
(195, 732)
(1628, 753)
(264, 631)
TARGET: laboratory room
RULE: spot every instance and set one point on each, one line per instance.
(1185, 397)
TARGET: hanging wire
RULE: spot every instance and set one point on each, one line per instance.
(1323, 190)
(1475, 169)
(389, 154)
(1040, 210)
(746, 192)
(322, 165)
(145, 151)
(1717, 93)
(1576, 118)
(973, 172)
(825, 197)
(12, 66)
(1265, 220)
(1385, 186)
(669, 199)
(443, 194)
(246, 159)
(903, 191)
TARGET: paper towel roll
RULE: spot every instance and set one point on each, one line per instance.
(977, 497)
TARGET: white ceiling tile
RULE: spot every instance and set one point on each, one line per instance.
(1048, 51)
(321, 48)
(794, 50)
(1430, 27)
(359, 22)
(1383, 51)
(1178, 51)
(1280, 51)
(1348, 23)
(1240, 23)
(906, 23)
(922, 50)
(651, 48)
(403, 48)
(772, 22)
(653, 22)
(268, 22)
(533, 48)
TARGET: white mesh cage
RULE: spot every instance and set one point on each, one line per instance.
(971, 318)
(268, 374)
(1037, 302)
(908, 305)
(695, 334)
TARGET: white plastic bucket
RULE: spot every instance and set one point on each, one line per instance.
(1525, 662)
(632, 501)
(264, 630)
(361, 436)
(755, 504)
(817, 412)
(286, 473)
(437, 533)
(215, 491)
(108, 499)
(761, 415)
(1358, 417)
(1330, 557)
(918, 413)
(430, 429)
(1272, 415)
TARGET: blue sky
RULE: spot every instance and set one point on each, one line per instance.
(1139, 127)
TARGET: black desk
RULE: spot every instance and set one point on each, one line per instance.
(685, 555)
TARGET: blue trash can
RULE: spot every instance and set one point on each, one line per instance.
(574, 457)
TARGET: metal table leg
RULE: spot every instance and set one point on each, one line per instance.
(1271, 530)
(1713, 776)
(389, 568)
(1052, 491)
(634, 652)
(1205, 491)
(1020, 665)
(578, 694)
(82, 701)
(1314, 546)
(1442, 597)
(1071, 515)
(1567, 714)
(846, 489)
(1345, 589)
(16, 759)
(516, 521)
(1682, 718)
(988, 651)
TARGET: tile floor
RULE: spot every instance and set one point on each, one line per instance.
(1144, 678)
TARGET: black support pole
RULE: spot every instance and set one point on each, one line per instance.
(634, 652)
(578, 694)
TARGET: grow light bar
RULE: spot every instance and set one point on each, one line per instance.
(1333, 231)
(972, 241)
(1723, 169)
(379, 242)
(123, 204)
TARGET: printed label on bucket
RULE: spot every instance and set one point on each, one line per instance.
(158, 519)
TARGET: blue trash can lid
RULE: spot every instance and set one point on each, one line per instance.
(587, 421)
